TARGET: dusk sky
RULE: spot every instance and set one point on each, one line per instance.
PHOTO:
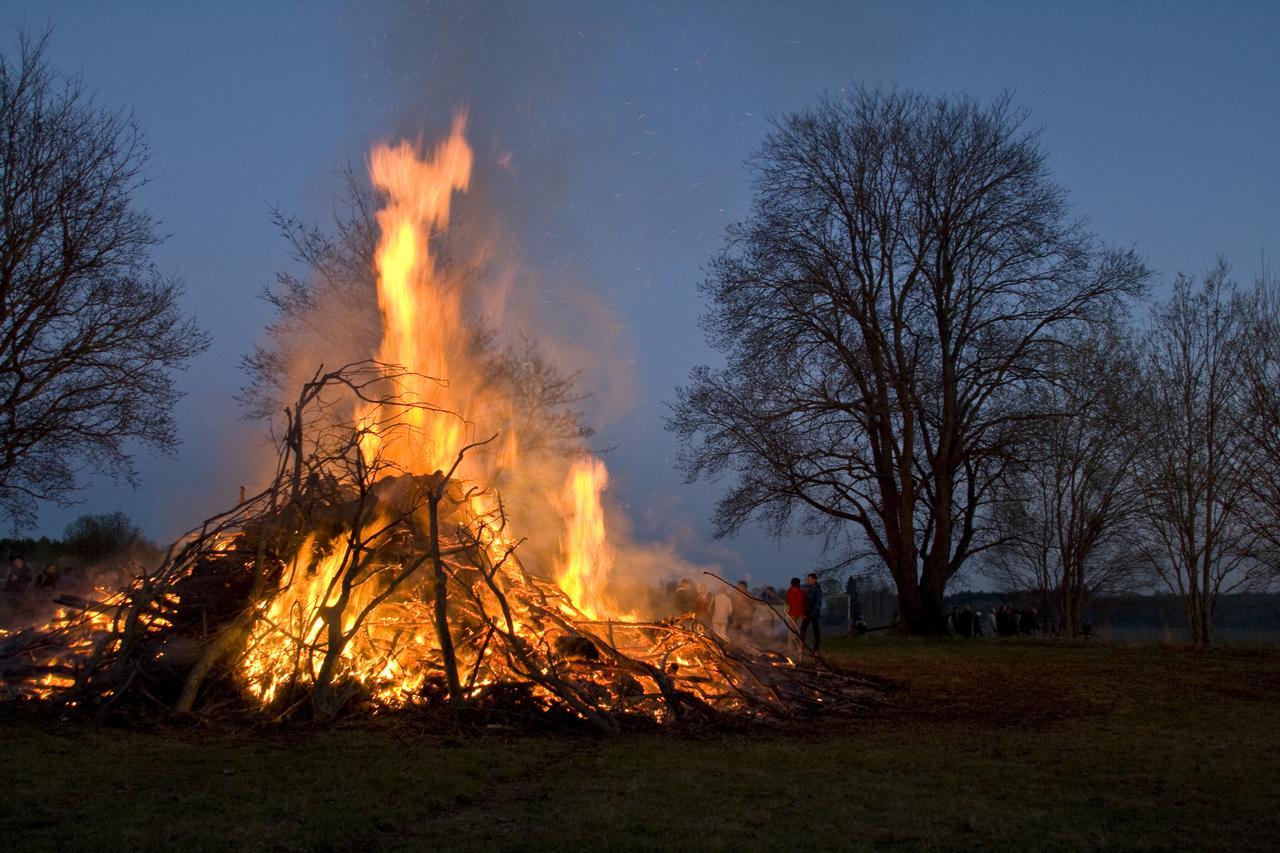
(611, 141)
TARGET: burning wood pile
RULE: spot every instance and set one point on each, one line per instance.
(380, 569)
(347, 587)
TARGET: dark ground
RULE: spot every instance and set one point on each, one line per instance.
(989, 745)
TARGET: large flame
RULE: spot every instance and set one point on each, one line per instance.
(586, 561)
(422, 318)
(378, 610)
(424, 332)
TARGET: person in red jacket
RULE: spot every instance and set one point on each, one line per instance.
(795, 610)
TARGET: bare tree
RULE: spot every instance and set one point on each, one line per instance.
(90, 331)
(335, 296)
(1067, 531)
(905, 268)
(1260, 369)
(1196, 466)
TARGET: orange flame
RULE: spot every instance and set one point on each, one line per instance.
(422, 318)
(586, 558)
(308, 590)
(357, 608)
(425, 332)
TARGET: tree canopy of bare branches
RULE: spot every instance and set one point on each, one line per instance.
(906, 265)
(90, 330)
(1201, 466)
(1260, 370)
(1067, 531)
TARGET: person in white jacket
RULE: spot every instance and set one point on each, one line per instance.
(721, 609)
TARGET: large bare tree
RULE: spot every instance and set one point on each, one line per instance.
(90, 330)
(906, 266)
(1260, 370)
(1068, 530)
(1200, 463)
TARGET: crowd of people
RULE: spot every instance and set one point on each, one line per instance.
(19, 577)
(1004, 621)
(768, 617)
(24, 588)
(764, 617)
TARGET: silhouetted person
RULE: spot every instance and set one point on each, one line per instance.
(964, 623)
(48, 577)
(812, 612)
(684, 599)
(1029, 623)
(744, 609)
(767, 626)
(1004, 622)
(18, 577)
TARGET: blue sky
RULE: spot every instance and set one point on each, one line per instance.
(628, 126)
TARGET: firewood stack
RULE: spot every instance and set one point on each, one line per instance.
(346, 589)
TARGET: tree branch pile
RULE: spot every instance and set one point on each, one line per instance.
(350, 587)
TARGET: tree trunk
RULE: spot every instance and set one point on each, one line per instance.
(920, 602)
(932, 586)
(1071, 601)
(326, 702)
(1202, 627)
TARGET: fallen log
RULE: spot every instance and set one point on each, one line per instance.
(77, 602)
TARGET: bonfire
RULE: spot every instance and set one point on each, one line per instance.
(381, 570)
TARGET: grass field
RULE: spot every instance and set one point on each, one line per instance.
(985, 746)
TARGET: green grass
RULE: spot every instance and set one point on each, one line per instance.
(986, 745)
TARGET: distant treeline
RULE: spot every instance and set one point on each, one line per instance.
(1244, 615)
(85, 542)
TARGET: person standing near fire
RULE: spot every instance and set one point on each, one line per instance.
(744, 609)
(721, 610)
(795, 611)
(18, 577)
(812, 612)
(702, 604)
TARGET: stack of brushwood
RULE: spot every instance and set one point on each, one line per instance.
(347, 587)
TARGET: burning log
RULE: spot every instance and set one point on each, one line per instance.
(79, 603)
